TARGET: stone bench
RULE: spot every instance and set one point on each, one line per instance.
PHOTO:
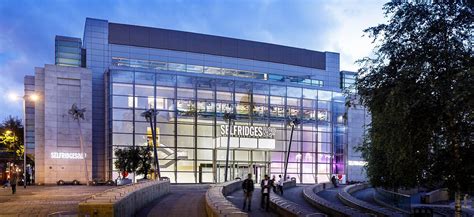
(286, 207)
(218, 205)
(309, 193)
(346, 198)
(124, 200)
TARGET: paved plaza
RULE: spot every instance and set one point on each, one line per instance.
(44, 200)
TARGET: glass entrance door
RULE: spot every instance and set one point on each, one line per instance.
(259, 172)
(241, 170)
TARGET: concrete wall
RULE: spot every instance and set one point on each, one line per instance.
(216, 203)
(125, 200)
(358, 118)
(59, 88)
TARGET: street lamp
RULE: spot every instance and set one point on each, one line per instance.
(228, 117)
(33, 98)
(292, 122)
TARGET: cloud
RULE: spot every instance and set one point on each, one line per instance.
(28, 27)
(350, 18)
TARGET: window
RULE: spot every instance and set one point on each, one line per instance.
(122, 76)
(177, 67)
(194, 68)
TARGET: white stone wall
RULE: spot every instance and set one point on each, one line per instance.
(56, 130)
(39, 126)
(358, 119)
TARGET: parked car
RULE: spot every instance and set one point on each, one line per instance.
(102, 182)
(73, 182)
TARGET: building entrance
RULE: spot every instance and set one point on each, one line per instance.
(240, 170)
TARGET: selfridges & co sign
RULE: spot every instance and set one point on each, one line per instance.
(67, 155)
(248, 131)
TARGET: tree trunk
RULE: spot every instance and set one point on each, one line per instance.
(227, 152)
(83, 152)
(457, 203)
(155, 153)
(288, 153)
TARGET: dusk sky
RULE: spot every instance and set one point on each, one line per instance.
(27, 28)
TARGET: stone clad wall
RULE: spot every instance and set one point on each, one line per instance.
(125, 200)
(59, 87)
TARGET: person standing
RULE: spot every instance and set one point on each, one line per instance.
(28, 178)
(247, 186)
(266, 185)
(334, 181)
(274, 187)
(280, 184)
(13, 181)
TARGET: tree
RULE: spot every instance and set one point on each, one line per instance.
(121, 163)
(11, 135)
(133, 159)
(145, 161)
(418, 87)
(78, 115)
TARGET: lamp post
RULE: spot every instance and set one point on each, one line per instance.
(32, 98)
(150, 116)
(228, 117)
(292, 122)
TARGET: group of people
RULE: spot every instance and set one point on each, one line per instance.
(266, 185)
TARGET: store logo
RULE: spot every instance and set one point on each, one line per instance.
(248, 131)
(67, 155)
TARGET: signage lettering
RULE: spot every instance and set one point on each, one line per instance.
(67, 155)
(248, 131)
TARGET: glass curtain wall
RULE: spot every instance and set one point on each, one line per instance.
(191, 112)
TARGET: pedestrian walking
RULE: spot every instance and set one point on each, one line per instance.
(274, 187)
(247, 186)
(266, 185)
(280, 184)
(13, 181)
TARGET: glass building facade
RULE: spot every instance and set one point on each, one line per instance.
(191, 100)
(69, 52)
(192, 80)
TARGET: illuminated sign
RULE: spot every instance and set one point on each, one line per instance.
(248, 131)
(356, 163)
(67, 155)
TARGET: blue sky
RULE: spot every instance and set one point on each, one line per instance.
(27, 28)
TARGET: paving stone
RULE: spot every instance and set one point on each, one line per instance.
(42, 200)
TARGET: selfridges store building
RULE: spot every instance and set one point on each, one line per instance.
(192, 80)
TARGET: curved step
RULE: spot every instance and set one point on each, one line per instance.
(346, 198)
(286, 207)
(309, 193)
